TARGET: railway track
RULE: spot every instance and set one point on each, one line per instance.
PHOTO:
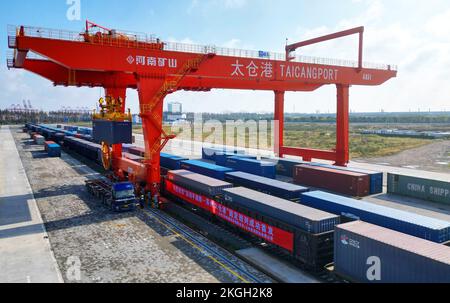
(195, 239)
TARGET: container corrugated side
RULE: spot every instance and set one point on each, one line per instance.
(339, 181)
(198, 183)
(269, 186)
(422, 188)
(406, 222)
(171, 161)
(306, 218)
(368, 253)
(376, 178)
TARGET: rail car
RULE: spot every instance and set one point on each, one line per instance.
(276, 226)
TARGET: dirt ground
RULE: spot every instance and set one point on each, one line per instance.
(110, 247)
(432, 157)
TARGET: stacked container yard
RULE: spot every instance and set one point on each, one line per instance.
(344, 182)
(260, 168)
(210, 170)
(406, 222)
(368, 253)
(437, 190)
(269, 186)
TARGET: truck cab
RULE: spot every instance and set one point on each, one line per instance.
(123, 197)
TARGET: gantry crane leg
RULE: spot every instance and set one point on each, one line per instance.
(279, 123)
(342, 125)
(152, 115)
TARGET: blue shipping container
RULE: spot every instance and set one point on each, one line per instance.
(171, 161)
(210, 153)
(221, 157)
(406, 222)
(260, 168)
(272, 187)
(203, 168)
(54, 150)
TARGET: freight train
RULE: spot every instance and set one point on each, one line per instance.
(307, 230)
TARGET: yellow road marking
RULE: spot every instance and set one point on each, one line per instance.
(201, 250)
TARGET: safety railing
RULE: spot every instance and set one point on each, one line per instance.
(137, 40)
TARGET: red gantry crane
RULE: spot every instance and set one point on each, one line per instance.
(100, 57)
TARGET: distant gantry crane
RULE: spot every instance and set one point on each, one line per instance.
(101, 57)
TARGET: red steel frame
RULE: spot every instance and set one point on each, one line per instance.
(112, 63)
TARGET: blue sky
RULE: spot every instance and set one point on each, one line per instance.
(413, 34)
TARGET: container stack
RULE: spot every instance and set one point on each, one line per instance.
(54, 150)
(198, 183)
(210, 170)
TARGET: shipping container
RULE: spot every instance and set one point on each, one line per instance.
(368, 253)
(339, 181)
(260, 168)
(418, 187)
(46, 143)
(284, 166)
(376, 178)
(198, 183)
(303, 217)
(171, 161)
(268, 186)
(54, 150)
(221, 157)
(210, 153)
(113, 132)
(210, 170)
(406, 222)
(39, 140)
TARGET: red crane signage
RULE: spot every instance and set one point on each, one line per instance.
(263, 230)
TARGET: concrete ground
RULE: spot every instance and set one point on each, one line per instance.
(92, 244)
(25, 252)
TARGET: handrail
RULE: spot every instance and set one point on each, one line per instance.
(149, 41)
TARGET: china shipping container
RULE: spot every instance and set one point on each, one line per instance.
(198, 183)
(268, 186)
(339, 181)
(418, 187)
(171, 161)
(46, 144)
(376, 178)
(306, 218)
(284, 166)
(260, 168)
(368, 253)
(406, 222)
(210, 170)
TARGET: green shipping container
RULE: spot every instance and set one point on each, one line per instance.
(416, 187)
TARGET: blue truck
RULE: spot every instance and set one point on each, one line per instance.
(119, 197)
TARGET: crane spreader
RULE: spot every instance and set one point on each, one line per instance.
(116, 61)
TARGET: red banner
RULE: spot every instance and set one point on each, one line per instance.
(263, 230)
